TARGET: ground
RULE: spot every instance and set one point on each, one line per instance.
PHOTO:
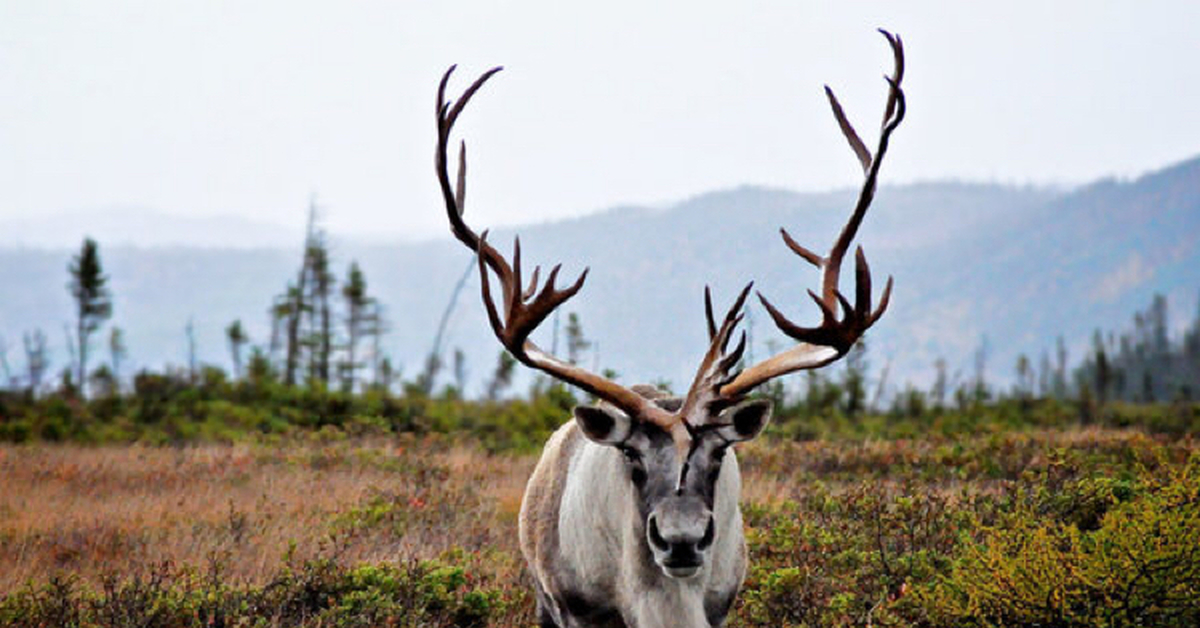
(867, 532)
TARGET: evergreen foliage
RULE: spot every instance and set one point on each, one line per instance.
(93, 303)
(1143, 364)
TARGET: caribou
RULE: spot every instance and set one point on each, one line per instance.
(632, 517)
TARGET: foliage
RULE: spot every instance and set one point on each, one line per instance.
(315, 593)
(93, 302)
(171, 407)
(1086, 527)
(847, 559)
(1138, 564)
(1143, 364)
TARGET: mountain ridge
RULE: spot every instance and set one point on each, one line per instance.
(1017, 265)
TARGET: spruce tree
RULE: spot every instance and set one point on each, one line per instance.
(320, 312)
(577, 343)
(359, 321)
(93, 303)
(237, 339)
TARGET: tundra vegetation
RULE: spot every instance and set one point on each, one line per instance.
(221, 503)
(196, 497)
(351, 497)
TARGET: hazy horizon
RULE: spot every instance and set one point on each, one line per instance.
(127, 226)
(248, 110)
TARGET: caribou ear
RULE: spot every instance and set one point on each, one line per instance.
(603, 425)
(745, 420)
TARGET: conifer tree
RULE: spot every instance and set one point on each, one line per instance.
(854, 381)
(577, 343)
(93, 303)
(377, 328)
(237, 339)
(294, 304)
(359, 321)
(320, 310)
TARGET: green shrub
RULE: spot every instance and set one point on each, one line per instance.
(845, 558)
(1140, 566)
(315, 594)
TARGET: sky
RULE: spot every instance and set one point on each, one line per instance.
(249, 109)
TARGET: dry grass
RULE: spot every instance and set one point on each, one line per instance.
(121, 509)
(91, 511)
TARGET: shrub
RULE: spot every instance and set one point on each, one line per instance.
(1140, 566)
(317, 593)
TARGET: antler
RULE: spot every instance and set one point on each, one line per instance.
(835, 336)
(521, 311)
(714, 388)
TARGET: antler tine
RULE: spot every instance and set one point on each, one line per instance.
(714, 368)
(856, 143)
(523, 308)
(898, 75)
(809, 256)
(512, 288)
(731, 359)
(486, 287)
(895, 113)
(883, 301)
(734, 315)
(862, 284)
(708, 314)
(455, 197)
(460, 190)
(835, 335)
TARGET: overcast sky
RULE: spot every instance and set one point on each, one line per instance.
(248, 108)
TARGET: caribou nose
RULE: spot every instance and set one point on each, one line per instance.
(680, 537)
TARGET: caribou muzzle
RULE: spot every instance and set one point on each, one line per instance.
(680, 531)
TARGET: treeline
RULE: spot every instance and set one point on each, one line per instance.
(327, 331)
(324, 364)
(1143, 364)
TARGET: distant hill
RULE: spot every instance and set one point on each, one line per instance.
(1016, 265)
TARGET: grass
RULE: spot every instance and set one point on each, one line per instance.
(92, 510)
(325, 530)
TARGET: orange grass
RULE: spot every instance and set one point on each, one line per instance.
(90, 511)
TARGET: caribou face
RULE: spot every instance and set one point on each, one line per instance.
(674, 490)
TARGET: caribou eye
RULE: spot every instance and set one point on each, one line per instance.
(636, 473)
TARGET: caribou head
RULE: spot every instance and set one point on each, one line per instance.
(654, 488)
